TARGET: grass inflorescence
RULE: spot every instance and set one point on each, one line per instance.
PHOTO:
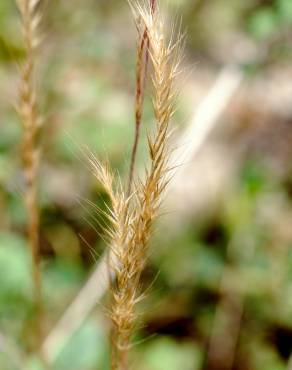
(133, 212)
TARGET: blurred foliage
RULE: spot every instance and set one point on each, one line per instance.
(86, 94)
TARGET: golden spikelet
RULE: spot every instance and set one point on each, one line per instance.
(132, 215)
(119, 235)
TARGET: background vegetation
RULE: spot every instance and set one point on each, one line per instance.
(219, 279)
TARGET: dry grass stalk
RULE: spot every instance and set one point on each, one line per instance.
(141, 76)
(132, 216)
(28, 112)
(141, 71)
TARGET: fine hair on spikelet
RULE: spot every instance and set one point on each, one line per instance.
(132, 213)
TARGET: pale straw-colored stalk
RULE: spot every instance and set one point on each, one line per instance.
(141, 77)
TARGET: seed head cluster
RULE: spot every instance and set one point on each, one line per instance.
(132, 215)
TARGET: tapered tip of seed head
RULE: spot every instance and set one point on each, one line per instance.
(101, 171)
(144, 10)
(148, 15)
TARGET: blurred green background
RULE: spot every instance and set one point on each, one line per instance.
(219, 277)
